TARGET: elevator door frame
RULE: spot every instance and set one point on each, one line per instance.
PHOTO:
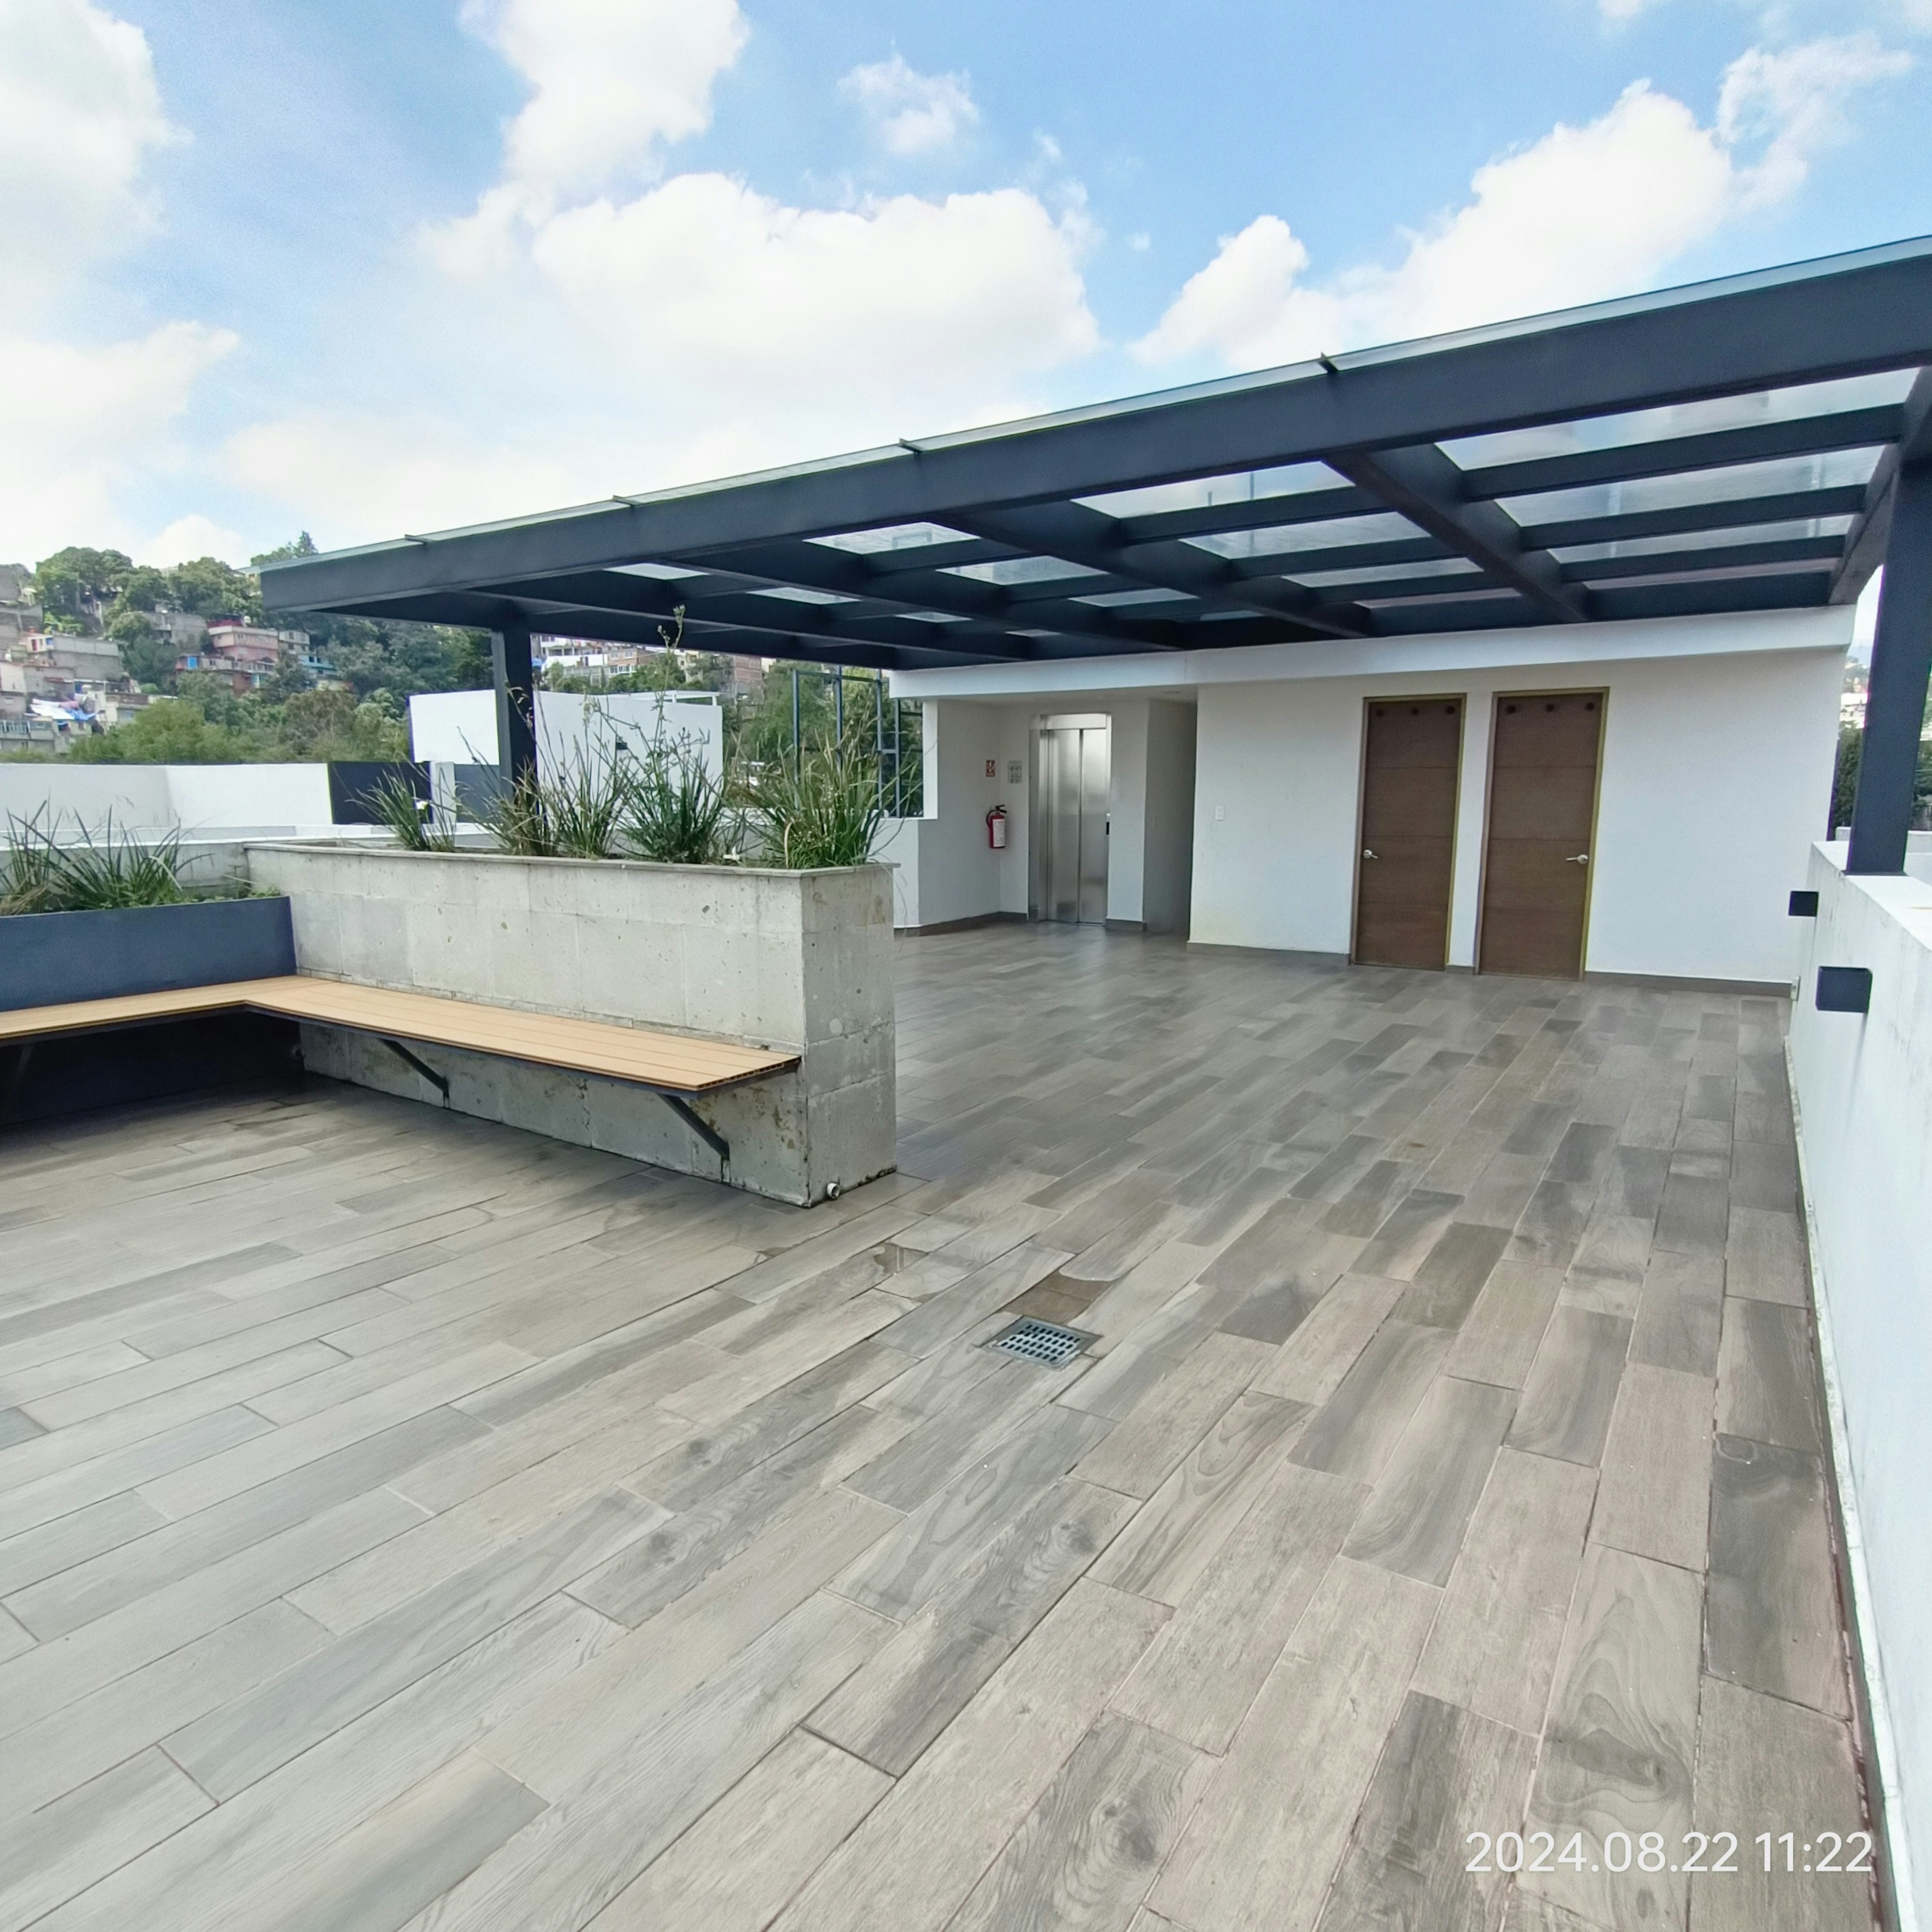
(1038, 882)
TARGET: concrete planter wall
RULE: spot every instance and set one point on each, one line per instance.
(800, 961)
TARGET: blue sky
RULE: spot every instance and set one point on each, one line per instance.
(392, 264)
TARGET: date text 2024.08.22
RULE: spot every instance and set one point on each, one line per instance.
(1716, 1852)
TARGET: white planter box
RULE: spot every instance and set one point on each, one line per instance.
(801, 961)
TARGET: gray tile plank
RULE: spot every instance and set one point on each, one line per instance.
(1498, 1341)
(1758, 1757)
(892, 1708)
(1173, 1538)
(1766, 1375)
(1204, 1671)
(1142, 1449)
(1449, 1278)
(252, 1735)
(1353, 1434)
(920, 1852)
(1680, 1313)
(1494, 1646)
(1572, 1388)
(1415, 1520)
(1618, 1748)
(1085, 1856)
(735, 1869)
(1272, 1824)
(1772, 1622)
(1446, 1773)
(1653, 1497)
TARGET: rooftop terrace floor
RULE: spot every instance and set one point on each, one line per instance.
(405, 1521)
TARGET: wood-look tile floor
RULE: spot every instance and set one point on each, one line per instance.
(404, 1521)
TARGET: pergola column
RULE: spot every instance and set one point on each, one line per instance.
(516, 703)
(1901, 662)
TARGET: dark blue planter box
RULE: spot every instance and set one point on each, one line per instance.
(47, 958)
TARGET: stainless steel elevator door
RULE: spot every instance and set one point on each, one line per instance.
(1073, 786)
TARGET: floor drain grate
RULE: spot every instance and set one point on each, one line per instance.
(1043, 1342)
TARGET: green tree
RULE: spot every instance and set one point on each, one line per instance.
(170, 731)
(147, 653)
(72, 584)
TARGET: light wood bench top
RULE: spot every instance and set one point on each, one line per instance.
(671, 1061)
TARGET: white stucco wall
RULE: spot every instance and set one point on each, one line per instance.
(1716, 776)
(1863, 1086)
(192, 799)
(460, 727)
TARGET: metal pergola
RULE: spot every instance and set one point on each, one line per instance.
(1760, 443)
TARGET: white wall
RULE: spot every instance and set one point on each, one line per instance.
(960, 874)
(1168, 862)
(191, 798)
(460, 727)
(1716, 777)
(1864, 1094)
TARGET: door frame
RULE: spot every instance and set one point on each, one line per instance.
(1459, 698)
(1602, 695)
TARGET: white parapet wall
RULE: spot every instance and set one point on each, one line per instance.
(199, 801)
(1863, 1086)
(800, 962)
(460, 727)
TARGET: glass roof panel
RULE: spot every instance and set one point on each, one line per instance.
(1249, 486)
(1792, 531)
(1488, 592)
(934, 617)
(1718, 413)
(797, 593)
(1387, 573)
(666, 573)
(892, 536)
(1789, 567)
(1779, 477)
(1335, 533)
(1022, 570)
(1121, 600)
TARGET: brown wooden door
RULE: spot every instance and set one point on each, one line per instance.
(1413, 748)
(1543, 813)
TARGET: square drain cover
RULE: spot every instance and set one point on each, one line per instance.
(1045, 1342)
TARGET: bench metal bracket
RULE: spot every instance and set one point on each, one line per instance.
(702, 1128)
(408, 1059)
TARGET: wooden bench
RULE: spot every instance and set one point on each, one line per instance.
(672, 1065)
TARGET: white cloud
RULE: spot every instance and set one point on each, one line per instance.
(1795, 103)
(910, 112)
(352, 477)
(85, 423)
(81, 109)
(706, 283)
(193, 536)
(697, 325)
(1584, 214)
(610, 80)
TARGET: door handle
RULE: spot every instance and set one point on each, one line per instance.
(1581, 858)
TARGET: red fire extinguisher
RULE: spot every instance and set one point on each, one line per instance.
(996, 828)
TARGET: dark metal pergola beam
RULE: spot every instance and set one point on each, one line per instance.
(1852, 316)
(1424, 485)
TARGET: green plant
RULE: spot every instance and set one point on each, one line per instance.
(413, 819)
(94, 875)
(675, 813)
(577, 814)
(821, 807)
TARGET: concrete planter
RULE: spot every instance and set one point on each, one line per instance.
(797, 960)
(47, 958)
